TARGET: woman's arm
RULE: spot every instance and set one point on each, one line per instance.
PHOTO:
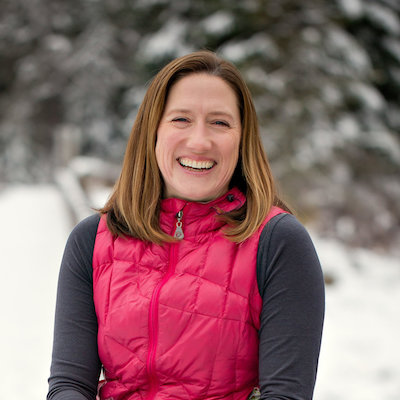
(75, 366)
(292, 288)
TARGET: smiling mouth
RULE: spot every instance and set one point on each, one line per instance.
(194, 165)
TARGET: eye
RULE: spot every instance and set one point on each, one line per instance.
(221, 123)
(180, 122)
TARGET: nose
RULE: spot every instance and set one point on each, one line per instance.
(199, 139)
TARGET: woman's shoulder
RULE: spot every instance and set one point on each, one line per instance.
(283, 227)
(78, 252)
(285, 247)
(85, 230)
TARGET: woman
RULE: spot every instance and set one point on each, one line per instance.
(194, 282)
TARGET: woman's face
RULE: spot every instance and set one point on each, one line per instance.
(198, 138)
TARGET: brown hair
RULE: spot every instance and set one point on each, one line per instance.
(134, 206)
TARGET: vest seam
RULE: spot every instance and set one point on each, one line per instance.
(186, 273)
(178, 381)
(207, 315)
(208, 280)
(124, 261)
(229, 283)
(199, 277)
(213, 365)
(235, 369)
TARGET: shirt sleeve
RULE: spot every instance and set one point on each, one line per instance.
(75, 366)
(291, 285)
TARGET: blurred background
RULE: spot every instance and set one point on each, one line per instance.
(325, 77)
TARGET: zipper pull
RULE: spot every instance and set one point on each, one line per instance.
(178, 230)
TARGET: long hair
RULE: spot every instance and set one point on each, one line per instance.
(133, 208)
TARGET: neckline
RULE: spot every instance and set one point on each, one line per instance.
(231, 200)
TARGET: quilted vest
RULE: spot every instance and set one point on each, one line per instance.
(179, 320)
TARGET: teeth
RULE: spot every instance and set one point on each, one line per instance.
(187, 162)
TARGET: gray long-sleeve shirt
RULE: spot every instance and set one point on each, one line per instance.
(291, 285)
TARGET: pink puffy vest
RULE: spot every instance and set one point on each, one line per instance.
(180, 320)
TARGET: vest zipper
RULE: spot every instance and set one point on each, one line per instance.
(153, 309)
(178, 227)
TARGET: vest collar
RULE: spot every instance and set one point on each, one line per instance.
(202, 215)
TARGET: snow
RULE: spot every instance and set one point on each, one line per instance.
(348, 126)
(383, 17)
(367, 95)
(341, 44)
(259, 43)
(393, 47)
(167, 40)
(384, 141)
(57, 43)
(218, 23)
(35, 227)
(360, 348)
(352, 8)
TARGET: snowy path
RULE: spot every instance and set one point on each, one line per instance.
(33, 234)
(360, 357)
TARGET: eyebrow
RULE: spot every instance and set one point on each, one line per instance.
(186, 111)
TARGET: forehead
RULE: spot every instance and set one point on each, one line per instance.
(202, 88)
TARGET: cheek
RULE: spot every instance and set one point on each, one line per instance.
(166, 143)
(157, 152)
(164, 152)
(160, 146)
(233, 151)
(160, 155)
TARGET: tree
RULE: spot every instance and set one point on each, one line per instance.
(325, 78)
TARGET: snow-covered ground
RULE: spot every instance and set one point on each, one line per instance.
(35, 226)
(360, 358)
